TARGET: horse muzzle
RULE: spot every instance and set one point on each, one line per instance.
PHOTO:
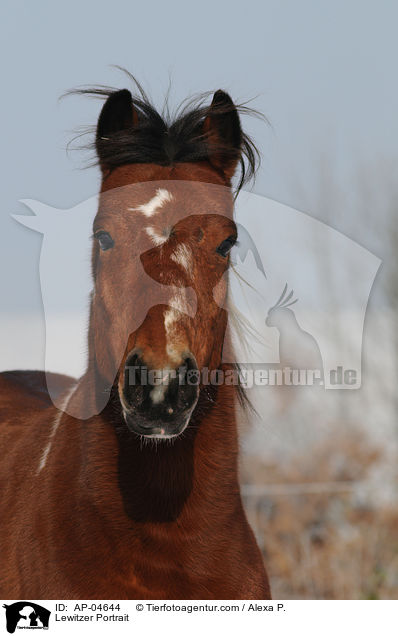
(159, 403)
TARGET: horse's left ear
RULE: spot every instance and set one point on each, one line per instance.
(223, 132)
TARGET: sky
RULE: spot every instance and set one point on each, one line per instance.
(323, 73)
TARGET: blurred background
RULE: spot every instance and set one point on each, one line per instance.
(319, 470)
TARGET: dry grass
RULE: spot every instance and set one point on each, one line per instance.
(331, 545)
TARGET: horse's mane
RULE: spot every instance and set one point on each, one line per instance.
(164, 137)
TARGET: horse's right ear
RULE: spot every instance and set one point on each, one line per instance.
(117, 115)
(223, 132)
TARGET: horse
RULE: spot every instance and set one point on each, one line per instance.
(136, 495)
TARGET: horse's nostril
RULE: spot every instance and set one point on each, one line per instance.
(190, 361)
(134, 371)
(133, 358)
(187, 370)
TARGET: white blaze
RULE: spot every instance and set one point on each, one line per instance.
(150, 208)
(157, 238)
(182, 255)
(177, 306)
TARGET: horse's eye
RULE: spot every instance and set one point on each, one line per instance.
(104, 239)
(225, 247)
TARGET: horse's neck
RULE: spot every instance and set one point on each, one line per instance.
(161, 482)
(128, 479)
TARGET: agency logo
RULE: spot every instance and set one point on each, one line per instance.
(295, 295)
(26, 615)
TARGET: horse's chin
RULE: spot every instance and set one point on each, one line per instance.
(156, 429)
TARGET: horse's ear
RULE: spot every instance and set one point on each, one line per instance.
(117, 115)
(224, 134)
